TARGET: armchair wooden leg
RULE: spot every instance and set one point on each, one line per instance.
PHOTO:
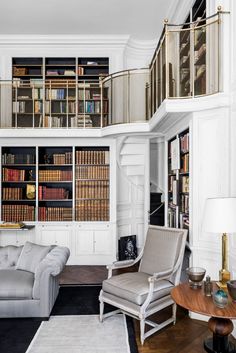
(174, 309)
(101, 311)
(142, 330)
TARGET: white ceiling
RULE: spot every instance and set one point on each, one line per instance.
(142, 20)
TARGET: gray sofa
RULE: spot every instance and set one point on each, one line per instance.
(29, 279)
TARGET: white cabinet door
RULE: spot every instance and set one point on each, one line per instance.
(16, 238)
(84, 242)
(102, 242)
(59, 235)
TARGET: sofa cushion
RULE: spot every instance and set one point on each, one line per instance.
(133, 286)
(31, 256)
(9, 256)
(16, 284)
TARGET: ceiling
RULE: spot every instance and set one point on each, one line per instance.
(140, 19)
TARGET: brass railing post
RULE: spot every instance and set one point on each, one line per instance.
(166, 59)
(219, 83)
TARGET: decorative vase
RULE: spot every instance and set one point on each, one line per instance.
(231, 285)
(220, 298)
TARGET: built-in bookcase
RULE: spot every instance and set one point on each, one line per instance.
(178, 181)
(18, 184)
(92, 186)
(59, 92)
(55, 184)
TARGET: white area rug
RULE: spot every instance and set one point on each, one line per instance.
(81, 334)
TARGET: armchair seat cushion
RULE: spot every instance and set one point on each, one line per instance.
(134, 286)
(16, 284)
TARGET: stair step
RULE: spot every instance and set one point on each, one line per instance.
(130, 160)
(132, 149)
(135, 170)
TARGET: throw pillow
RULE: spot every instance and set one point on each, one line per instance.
(31, 255)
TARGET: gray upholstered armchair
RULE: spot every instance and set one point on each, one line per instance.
(143, 293)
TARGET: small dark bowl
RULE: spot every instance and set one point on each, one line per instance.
(231, 285)
(196, 274)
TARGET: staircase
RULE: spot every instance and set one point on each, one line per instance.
(158, 217)
(132, 161)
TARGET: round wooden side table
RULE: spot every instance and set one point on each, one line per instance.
(220, 322)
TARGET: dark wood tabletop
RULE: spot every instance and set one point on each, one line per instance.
(195, 300)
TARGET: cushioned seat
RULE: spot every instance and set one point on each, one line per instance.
(16, 284)
(134, 287)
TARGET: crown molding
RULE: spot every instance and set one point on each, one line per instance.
(141, 47)
(178, 13)
(9, 40)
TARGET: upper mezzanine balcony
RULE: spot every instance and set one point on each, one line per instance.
(185, 65)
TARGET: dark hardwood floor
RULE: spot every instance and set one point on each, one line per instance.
(185, 337)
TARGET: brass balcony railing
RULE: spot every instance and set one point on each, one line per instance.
(186, 64)
(187, 61)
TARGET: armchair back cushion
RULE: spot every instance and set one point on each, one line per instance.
(31, 256)
(9, 256)
(161, 250)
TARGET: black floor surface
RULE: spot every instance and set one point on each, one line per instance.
(16, 334)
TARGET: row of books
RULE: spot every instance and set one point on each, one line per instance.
(184, 163)
(89, 94)
(9, 158)
(92, 107)
(46, 193)
(171, 180)
(185, 183)
(183, 220)
(51, 121)
(37, 93)
(53, 72)
(62, 158)
(61, 214)
(200, 52)
(172, 218)
(92, 189)
(38, 107)
(18, 213)
(13, 174)
(184, 143)
(92, 210)
(92, 157)
(12, 193)
(19, 107)
(81, 121)
(58, 107)
(55, 175)
(55, 93)
(92, 172)
(184, 203)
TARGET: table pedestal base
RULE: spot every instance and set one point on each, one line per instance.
(219, 343)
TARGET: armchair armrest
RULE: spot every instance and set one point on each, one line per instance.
(119, 264)
(52, 264)
(161, 275)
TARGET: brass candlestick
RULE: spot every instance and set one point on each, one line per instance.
(224, 274)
